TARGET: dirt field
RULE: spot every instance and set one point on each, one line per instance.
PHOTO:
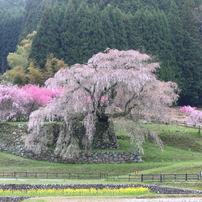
(114, 199)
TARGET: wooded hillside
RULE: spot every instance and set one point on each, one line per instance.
(74, 30)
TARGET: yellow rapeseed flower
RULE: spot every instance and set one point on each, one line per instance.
(70, 192)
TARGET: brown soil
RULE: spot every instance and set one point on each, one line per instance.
(176, 115)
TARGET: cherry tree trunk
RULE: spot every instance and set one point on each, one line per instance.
(105, 137)
(71, 138)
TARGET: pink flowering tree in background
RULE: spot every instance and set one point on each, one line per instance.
(38, 96)
(194, 116)
(12, 102)
(17, 103)
(111, 86)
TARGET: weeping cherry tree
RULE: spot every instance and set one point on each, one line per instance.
(111, 86)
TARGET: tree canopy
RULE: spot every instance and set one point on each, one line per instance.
(18, 103)
(73, 31)
(110, 85)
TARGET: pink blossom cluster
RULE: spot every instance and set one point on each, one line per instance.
(187, 109)
(109, 86)
(194, 116)
(17, 102)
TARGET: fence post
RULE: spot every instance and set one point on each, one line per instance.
(161, 178)
(142, 178)
(186, 177)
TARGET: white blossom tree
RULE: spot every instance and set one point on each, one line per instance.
(111, 85)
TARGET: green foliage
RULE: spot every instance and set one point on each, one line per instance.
(24, 71)
(11, 18)
(181, 154)
(75, 30)
(33, 14)
(46, 39)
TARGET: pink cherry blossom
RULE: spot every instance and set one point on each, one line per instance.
(20, 102)
(194, 116)
(112, 80)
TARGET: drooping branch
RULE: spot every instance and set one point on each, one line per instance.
(111, 84)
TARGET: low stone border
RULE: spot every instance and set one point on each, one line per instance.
(154, 188)
(13, 143)
(12, 198)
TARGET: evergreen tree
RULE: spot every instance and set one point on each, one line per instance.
(10, 23)
(118, 27)
(164, 5)
(190, 80)
(164, 46)
(151, 33)
(83, 35)
(33, 14)
(130, 31)
(198, 18)
(74, 30)
(176, 37)
(46, 41)
(107, 27)
(67, 30)
(187, 17)
(89, 34)
(198, 3)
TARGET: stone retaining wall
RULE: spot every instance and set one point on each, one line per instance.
(12, 198)
(154, 188)
(89, 157)
(12, 142)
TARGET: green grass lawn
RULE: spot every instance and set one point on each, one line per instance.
(181, 154)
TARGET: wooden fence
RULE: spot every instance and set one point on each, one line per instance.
(157, 178)
(129, 178)
(47, 175)
(184, 124)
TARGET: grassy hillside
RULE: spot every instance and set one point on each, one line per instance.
(181, 154)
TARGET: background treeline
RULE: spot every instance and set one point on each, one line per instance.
(73, 30)
(11, 19)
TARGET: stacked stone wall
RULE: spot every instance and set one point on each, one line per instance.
(154, 188)
(11, 141)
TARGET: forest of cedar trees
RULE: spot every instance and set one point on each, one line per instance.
(38, 37)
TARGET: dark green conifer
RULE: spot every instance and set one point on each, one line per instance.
(107, 28)
(176, 37)
(118, 27)
(187, 17)
(46, 41)
(190, 81)
(68, 33)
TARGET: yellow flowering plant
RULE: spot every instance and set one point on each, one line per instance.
(76, 192)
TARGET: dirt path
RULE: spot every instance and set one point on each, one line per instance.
(114, 199)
